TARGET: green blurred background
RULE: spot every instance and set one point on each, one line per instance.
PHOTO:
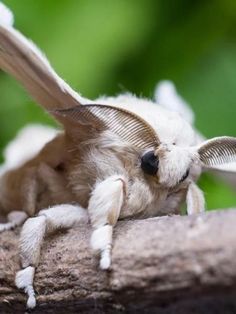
(111, 46)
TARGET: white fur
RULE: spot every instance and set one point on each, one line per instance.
(15, 218)
(25, 277)
(105, 261)
(27, 144)
(31, 239)
(6, 16)
(104, 210)
(195, 200)
(167, 96)
(100, 237)
(24, 280)
(64, 216)
(106, 197)
(101, 240)
(174, 161)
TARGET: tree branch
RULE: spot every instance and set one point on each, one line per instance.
(167, 264)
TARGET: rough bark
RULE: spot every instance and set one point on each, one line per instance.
(160, 265)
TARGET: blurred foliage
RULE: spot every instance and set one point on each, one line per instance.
(107, 47)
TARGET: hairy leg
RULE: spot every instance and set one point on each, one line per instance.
(15, 218)
(195, 199)
(29, 191)
(32, 235)
(104, 209)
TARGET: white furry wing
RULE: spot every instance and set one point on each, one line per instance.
(22, 59)
(166, 96)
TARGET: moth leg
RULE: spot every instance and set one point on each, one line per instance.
(104, 210)
(195, 199)
(29, 191)
(32, 236)
(15, 218)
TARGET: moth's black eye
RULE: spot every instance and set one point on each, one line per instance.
(149, 163)
(184, 176)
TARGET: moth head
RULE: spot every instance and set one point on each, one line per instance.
(170, 163)
(173, 165)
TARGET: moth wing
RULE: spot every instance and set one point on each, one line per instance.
(23, 60)
(167, 96)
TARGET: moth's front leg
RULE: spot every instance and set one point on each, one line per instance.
(195, 199)
(104, 209)
(35, 229)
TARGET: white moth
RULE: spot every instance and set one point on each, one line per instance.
(118, 157)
